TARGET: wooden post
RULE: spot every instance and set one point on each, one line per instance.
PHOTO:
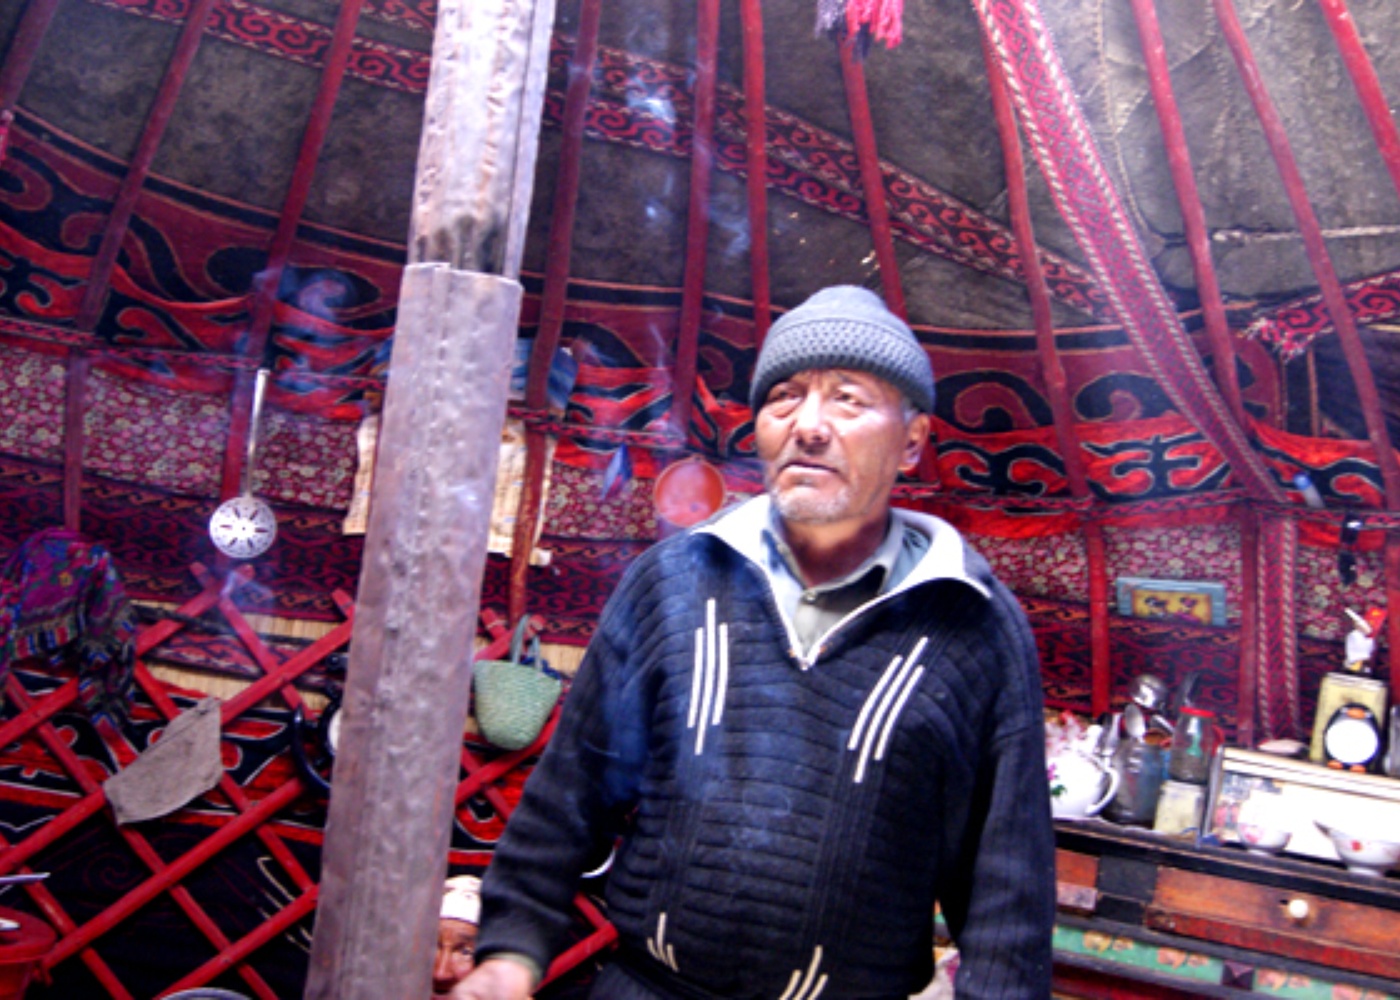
(407, 689)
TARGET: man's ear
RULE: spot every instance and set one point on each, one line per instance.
(915, 437)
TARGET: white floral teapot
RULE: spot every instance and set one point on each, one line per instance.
(1081, 784)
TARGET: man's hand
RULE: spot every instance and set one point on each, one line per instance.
(495, 979)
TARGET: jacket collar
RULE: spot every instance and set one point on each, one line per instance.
(946, 559)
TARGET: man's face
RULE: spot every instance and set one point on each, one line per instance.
(832, 443)
(456, 954)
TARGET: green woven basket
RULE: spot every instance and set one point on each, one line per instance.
(513, 699)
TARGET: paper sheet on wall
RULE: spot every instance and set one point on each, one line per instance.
(366, 439)
(510, 480)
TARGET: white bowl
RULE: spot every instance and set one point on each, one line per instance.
(1259, 838)
(1363, 855)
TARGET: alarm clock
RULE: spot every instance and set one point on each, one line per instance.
(1351, 740)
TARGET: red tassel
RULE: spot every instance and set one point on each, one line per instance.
(883, 18)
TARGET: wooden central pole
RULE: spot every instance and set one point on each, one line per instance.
(409, 679)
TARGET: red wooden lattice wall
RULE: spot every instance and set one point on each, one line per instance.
(256, 808)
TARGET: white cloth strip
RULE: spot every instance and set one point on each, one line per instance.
(887, 698)
(695, 678)
(659, 949)
(909, 687)
(707, 687)
(723, 682)
(867, 745)
(804, 993)
(870, 701)
(793, 980)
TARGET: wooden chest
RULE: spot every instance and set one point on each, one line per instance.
(1142, 916)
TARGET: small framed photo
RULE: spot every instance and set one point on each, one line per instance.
(1199, 601)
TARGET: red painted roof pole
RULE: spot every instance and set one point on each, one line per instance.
(1188, 197)
(1056, 383)
(561, 226)
(756, 147)
(100, 274)
(1368, 85)
(1217, 329)
(24, 46)
(872, 179)
(1377, 110)
(1316, 247)
(140, 166)
(267, 284)
(1033, 274)
(558, 256)
(697, 235)
(1332, 296)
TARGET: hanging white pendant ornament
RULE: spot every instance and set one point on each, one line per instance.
(244, 527)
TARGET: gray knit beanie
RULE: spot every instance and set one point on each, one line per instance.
(844, 326)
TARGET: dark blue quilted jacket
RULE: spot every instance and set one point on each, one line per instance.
(789, 824)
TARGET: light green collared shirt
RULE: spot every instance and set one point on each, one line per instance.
(917, 548)
(814, 610)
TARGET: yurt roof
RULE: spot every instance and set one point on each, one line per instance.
(281, 139)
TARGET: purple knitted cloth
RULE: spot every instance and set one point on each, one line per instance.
(59, 591)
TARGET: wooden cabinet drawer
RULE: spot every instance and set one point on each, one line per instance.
(1076, 881)
(1305, 926)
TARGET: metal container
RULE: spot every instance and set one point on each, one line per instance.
(1149, 691)
(1141, 767)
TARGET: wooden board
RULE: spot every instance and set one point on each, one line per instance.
(1305, 926)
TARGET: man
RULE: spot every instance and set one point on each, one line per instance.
(457, 926)
(813, 718)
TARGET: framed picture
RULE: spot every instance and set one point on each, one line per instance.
(1293, 793)
(1196, 601)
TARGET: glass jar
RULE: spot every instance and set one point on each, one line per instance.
(1194, 743)
(1141, 767)
(1179, 808)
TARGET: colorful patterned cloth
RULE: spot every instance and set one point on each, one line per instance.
(59, 592)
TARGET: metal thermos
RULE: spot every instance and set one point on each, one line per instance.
(1141, 768)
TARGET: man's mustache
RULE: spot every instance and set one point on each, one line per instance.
(808, 459)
